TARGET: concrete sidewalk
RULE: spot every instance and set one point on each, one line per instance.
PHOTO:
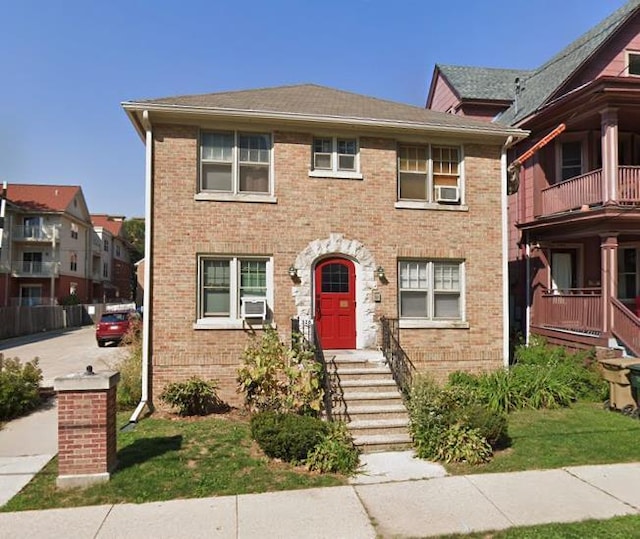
(415, 508)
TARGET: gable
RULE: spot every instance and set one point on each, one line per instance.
(611, 60)
(442, 96)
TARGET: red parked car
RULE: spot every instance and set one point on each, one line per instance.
(113, 326)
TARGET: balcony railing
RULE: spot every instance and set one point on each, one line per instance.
(21, 268)
(35, 233)
(575, 309)
(586, 190)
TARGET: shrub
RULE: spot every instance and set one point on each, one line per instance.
(19, 385)
(129, 390)
(275, 377)
(193, 397)
(335, 453)
(286, 436)
(452, 425)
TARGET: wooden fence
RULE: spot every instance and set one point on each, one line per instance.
(17, 321)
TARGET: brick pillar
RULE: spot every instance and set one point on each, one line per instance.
(86, 427)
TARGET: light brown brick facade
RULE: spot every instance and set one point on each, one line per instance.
(310, 209)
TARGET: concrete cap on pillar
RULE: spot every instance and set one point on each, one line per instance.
(87, 380)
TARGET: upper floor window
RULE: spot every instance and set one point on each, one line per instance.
(73, 262)
(335, 157)
(105, 245)
(117, 250)
(430, 290)
(633, 63)
(74, 231)
(429, 173)
(570, 159)
(105, 270)
(235, 162)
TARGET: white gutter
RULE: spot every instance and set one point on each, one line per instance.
(505, 252)
(146, 318)
(426, 126)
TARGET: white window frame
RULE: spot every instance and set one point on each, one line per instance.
(430, 202)
(234, 319)
(74, 231)
(627, 61)
(234, 193)
(430, 321)
(334, 171)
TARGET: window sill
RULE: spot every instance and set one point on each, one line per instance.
(417, 205)
(340, 175)
(417, 323)
(233, 197)
(228, 323)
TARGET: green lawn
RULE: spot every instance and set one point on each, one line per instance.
(582, 434)
(168, 458)
(615, 528)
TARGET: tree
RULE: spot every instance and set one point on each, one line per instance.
(134, 231)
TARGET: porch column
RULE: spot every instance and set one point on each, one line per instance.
(609, 126)
(608, 278)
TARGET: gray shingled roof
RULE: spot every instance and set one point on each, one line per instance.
(482, 82)
(548, 78)
(311, 100)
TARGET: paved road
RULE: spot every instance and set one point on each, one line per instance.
(62, 353)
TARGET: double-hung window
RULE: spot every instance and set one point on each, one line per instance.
(431, 290)
(430, 173)
(224, 282)
(335, 156)
(571, 159)
(235, 162)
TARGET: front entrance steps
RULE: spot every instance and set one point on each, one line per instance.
(368, 400)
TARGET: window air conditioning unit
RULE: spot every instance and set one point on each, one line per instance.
(447, 193)
(253, 307)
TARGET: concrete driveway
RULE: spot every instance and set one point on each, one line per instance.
(62, 353)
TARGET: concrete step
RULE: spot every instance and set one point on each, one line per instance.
(373, 371)
(372, 398)
(354, 412)
(379, 427)
(371, 443)
(375, 385)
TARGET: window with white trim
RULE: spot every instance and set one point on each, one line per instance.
(74, 231)
(335, 154)
(224, 282)
(430, 290)
(430, 173)
(232, 162)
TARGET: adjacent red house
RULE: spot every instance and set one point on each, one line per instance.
(574, 211)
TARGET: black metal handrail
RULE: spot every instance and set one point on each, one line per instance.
(401, 366)
(304, 335)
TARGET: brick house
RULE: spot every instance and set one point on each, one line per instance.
(306, 201)
(574, 210)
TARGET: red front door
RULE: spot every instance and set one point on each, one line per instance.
(335, 306)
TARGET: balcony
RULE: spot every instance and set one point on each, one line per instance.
(35, 233)
(586, 190)
(21, 268)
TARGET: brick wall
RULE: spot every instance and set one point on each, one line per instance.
(86, 432)
(309, 209)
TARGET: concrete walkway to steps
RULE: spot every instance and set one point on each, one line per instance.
(408, 508)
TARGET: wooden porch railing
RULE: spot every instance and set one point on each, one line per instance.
(576, 309)
(573, 193)
(626, 327)
(629, 185)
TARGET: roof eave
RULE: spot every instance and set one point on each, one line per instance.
(134, 107)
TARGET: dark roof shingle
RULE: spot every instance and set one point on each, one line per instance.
(482, 82)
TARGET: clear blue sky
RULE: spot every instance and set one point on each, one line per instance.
(66, 66)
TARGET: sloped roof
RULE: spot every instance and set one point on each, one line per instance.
(482, 83)
(113, 225)
(306, 101)
(548, 78)
(42, 198)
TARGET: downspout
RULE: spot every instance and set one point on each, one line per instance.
(147, 313)
(505, 252)
(527, 316)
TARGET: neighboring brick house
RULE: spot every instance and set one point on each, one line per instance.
(114, 263)
(313, 202)
(574, 245)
